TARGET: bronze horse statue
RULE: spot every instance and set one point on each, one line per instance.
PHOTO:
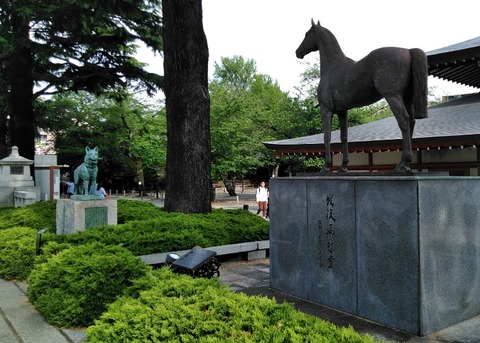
(396, 74)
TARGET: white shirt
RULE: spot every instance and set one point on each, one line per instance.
(262, 194)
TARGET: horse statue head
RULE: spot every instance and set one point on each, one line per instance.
(310, 43)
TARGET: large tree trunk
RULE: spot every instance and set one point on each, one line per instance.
(22, 128)
(188, 108)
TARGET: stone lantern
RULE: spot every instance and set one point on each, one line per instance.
(17, 187)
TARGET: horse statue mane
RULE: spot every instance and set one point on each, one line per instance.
(85, 176)
(396, 74)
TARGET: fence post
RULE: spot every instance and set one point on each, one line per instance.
(38, 243)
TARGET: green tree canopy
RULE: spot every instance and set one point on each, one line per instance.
(73, 45)
(247, 109)
(131, 135)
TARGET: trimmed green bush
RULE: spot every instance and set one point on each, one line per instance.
(50, 249)
(37, 216)
(130, 210)
(17, 252)
(74, 287)
(176, 231)
(181, 309)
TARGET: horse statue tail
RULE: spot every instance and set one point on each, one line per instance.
(419, 83)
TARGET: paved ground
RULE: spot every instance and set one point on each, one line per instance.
(21, 323)
(223, 200)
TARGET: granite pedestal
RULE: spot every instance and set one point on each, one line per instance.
(403, 251)
(78, 215)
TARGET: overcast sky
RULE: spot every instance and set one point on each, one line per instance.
(270, 31)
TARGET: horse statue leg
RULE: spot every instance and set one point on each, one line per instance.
(327, 134)
(406, 124)
(342, 117)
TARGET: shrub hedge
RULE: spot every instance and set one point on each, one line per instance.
(130, 210)
(180, 309)
(175, 231)
(37, 216)
(17, 252)
(74, 287)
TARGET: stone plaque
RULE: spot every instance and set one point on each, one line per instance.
(16, 170)
(96, 216)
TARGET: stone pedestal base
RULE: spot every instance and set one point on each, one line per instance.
(78, 215)
(400, 251)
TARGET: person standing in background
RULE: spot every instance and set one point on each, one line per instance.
(70, 188)
(100, 191)
(262, 199)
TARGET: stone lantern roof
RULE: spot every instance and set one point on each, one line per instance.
(15, 159)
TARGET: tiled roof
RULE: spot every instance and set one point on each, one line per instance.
(458, 63)
(468, 44)
(449, 124)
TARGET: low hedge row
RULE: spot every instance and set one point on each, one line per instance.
(178, 308)
(130, 210)
(175, 231)
(36, 216)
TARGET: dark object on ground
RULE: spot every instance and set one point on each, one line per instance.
(196, 263)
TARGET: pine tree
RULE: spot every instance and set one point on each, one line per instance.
(59, 45)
